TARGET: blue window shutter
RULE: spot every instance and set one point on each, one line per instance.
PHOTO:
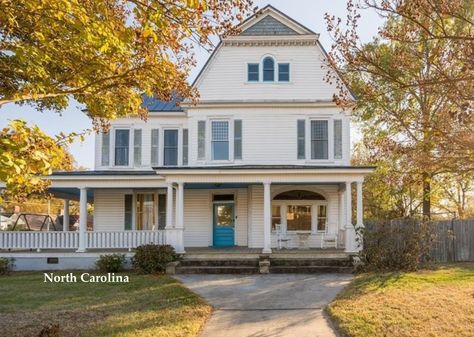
(154, 147)
(301, 139)
(137, 147)
(201, 140)
(337, 139)
(105, 156)
(185, 146)
(237, 139)
(128, 207)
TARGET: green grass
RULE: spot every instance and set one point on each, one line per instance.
(438, 302)
(146, 306)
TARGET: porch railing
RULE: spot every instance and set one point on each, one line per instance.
(70, 240)
(39, 240)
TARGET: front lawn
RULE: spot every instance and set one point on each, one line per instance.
(426, 303)
(146, 306)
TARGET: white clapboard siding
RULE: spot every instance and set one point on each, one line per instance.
(198, 221)
(109, 210)
(197, 218)
(269, 135)
(154, 122)
(226, 76)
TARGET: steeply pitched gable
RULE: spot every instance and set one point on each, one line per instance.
(268, 26)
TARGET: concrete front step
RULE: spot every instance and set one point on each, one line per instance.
(217, 270)
(218, 262)
(302, 262)
(309, 269)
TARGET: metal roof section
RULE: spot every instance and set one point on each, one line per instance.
(156, 105)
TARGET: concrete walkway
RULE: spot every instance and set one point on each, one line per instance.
(275, 305)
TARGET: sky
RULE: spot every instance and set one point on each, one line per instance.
(310, 13)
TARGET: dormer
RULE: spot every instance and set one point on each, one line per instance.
(273, 58)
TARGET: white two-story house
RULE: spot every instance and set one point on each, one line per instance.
(262, 161)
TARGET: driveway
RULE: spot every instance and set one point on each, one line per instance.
(276, 305)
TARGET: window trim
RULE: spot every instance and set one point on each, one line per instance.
(208, 151)
(161, 145)
(330, 158)
(130, 147)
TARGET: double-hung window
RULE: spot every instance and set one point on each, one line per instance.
(122, 147)
(319, 139)
(252, 72)
(268, 69)
(170, 148)
(220, 140)
(283, 72)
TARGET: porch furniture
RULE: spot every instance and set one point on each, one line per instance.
(281, 237)
(303, 240)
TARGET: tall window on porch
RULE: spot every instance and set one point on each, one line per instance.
(322, 217)
(122, 144)
(298, 218)
(319, 139)
(170, 148)
(145, 212)
(276, 216)
(220, 140)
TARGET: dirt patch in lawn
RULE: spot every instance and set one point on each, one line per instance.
(427, 303)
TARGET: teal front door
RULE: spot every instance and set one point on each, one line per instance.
(223, 228)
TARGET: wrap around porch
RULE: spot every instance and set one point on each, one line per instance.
(268, 222)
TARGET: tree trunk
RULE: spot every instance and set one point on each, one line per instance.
(426, 196)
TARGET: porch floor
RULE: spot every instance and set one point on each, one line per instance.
(246, 252)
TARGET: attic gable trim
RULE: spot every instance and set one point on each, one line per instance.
(278, 15)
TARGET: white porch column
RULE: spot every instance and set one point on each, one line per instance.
(267, 218)
(342, 214)
(180, 206)
(360, 209)
(82, 220)
(66, 215)
(360, 217)
(350, 246)
(169, 206)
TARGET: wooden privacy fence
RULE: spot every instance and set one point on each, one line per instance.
(451, 240)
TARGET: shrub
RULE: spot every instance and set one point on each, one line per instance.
(6, 265)
(111, 263)
(153, 258)
(402, 245)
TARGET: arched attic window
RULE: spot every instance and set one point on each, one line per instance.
(268, 69)
(299, 195)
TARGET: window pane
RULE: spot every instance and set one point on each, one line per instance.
(201, 140)
(162, 211)
(220, 150)
(122, 140)
(185, 146)
(322, 217)
(252, 71)
(283, 72)
(337, 139)
(145, 212)
(220, 140)
(301, 139)
(128, 212)
(105, 149)
(276, 217)
(268, 69)
(298, 218)
(237, 139)
(170, 155)
(154, 147)
(137, 147)
(319, 139)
